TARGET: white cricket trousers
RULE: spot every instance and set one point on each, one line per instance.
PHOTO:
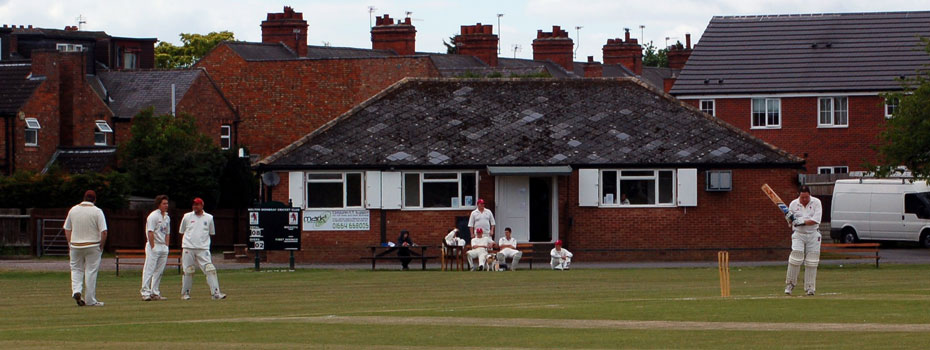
(805, 249)
(202, 258)
(84, 265)
(561, 263)
(506, 253)
(155, 260)
(480, 253)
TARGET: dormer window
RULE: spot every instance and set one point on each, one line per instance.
(100, 132)
(64, 47)
(32, 132)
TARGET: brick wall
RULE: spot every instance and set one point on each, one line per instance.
(43, 106)
(206, 104)
(743, 220)
(799, 134)
(281, 101)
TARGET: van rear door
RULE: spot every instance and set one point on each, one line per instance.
(916, 215)
(886, 215)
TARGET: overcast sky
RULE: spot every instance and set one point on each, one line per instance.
(346, 22)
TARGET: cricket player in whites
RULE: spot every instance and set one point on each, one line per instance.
(157, 229)
(804, 214)
(196, 229)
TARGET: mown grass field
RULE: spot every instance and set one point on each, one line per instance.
(857, 307)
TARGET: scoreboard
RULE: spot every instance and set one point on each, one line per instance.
(274, 228)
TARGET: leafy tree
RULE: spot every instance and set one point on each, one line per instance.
(238, 185)
(195, 46)
(450, 46)
(906, 138)
(655, 58)
(168, 155)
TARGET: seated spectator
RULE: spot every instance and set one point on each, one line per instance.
(452, 239)
(508, 247)
(561, 257)
(624, 200)
(404, 243)
(479, 249)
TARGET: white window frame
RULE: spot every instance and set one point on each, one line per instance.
(101, 128)
(832, 123)
(832, 169)
(458, 181)
(134, 62)
(342, 180)
(767, 103)
(225, 137)
(620, 177)
(891, 105)
(713, 107)
(66, 47)
(32, 127)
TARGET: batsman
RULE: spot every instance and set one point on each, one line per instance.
(804, 214)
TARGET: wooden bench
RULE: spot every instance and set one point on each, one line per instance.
(850, 251)
(137, 257)
(375, 256)
(535, 252)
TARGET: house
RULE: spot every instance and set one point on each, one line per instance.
(810, 84)
(284, 88)
(50, 111)
(552, 158)
(109, 52)
(188, 91)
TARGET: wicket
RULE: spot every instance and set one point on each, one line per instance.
(723, 266)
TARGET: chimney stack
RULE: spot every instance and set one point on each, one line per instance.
(555, 46)
(289, 28)
(593, 69)
(678, 55)
(400, 37)
(479, 41)
(625, 52)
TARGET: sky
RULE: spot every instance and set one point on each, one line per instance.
(346, 22)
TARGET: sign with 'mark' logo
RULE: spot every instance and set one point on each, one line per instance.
(336, 220)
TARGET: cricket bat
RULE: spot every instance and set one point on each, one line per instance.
(775, 198)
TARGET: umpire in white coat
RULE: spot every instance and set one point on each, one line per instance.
(804, 214)
(86, 230)
(196, 229)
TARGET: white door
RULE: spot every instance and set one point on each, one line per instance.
(513, 207)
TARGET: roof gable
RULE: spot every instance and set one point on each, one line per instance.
(806, 53)
(479, 122)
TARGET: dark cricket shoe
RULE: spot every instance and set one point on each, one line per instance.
(78, 299)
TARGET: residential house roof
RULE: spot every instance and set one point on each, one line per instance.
(441, 122)
(806, 53)
(79, 160)
(15, 86)
(132, 91)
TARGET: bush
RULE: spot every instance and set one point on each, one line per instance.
(57, 189)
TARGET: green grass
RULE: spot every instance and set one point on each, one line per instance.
(580, 309)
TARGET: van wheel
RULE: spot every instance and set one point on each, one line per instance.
(849, 236)
(925, 239)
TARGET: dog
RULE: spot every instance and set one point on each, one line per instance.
(492, 263)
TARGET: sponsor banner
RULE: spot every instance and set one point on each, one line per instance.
(336, 220)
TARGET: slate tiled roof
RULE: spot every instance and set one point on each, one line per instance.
(261, 51)
(436, 122)
(15, 88)
(805, 53)
(79, 160)
(346, 52)
(135, 90)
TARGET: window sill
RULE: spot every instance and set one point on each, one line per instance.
(832, 126)
(335, 209)
(765, 127)
(436, 209)
(611, 206)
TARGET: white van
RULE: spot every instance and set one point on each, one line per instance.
(881, 210)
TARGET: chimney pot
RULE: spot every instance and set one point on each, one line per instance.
(288, 28)
(478, 41)
(688, 41)
(627, 35)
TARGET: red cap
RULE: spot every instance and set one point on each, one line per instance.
(198, 201)
(559, 242)
(480, 201)
(479, 230)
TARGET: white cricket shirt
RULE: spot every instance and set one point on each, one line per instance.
(481, 219)
(159, 224)
(86, 223)
(197, 230)
(812, 211)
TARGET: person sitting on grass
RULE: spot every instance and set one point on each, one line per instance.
(561, 257)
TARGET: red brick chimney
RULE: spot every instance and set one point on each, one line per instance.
(400, 37)
(678, 55)
(479, 41)
(593, 69)
(66, 72)
(626, 52)
(289, 28)
(555, 46)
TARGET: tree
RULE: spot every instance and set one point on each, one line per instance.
(195, 46)
(168, 155)
(906, 138)
(653, 57)
(450, 46)
(58, 189)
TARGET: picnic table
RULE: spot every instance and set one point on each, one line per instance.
(382, 253)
